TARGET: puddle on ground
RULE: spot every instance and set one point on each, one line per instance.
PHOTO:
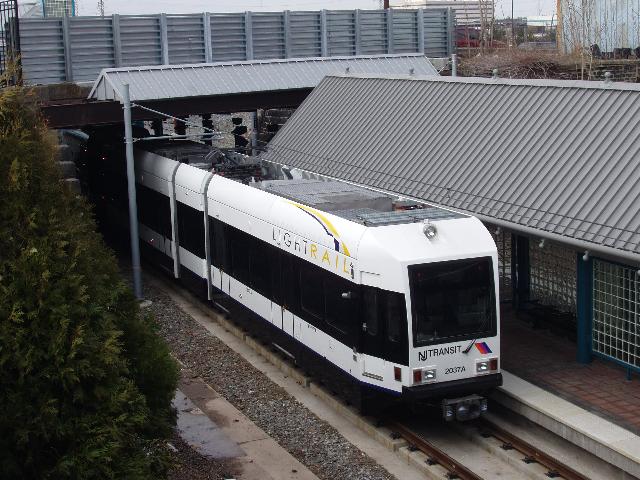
(201, 432)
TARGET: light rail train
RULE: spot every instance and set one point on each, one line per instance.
(385, 300)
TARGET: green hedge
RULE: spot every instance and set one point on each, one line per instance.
(85, 383)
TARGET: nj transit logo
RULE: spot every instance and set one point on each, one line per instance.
(483, 348)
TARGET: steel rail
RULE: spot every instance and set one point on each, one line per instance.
(555, 467)
(455, 468)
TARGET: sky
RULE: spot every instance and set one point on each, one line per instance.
(522, 8)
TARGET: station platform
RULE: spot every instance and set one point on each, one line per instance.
(549, 361)
(592, 405)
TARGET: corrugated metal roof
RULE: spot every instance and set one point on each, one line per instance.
(225, 78)
(556, 158)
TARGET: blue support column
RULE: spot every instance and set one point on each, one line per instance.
(514, 270)
(521, 268)
(584, 302)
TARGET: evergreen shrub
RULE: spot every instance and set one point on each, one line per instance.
(85, 382)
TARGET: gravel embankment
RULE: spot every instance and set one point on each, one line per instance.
(312, 441)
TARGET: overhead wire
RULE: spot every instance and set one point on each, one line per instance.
(178, 119)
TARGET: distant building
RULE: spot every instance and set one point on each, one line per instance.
(47, 8)
(610, 24)
(59, 8)
(542, 22)
(467, 12)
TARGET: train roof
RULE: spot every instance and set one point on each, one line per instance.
(360, 205)
(354, 203)
(187, 151)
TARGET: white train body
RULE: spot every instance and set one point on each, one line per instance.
(394, 309)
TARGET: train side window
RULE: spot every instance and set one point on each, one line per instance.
(311, 294)
(191, 229)
(154, 210)
(290, 295)
(146, 215)
(164, 212)
(395, 314)
(275, 269)
(218, 238)
(161, 207)
(370, 310)
(141, 198)
(260, 275)
(339, 310)
(240, 247)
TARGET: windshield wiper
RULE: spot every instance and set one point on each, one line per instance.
(483, 328)
(473, 342)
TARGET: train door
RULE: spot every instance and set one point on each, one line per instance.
(276, 288)
(239, 286)
(287, 321)
(218, 238)
(289, 291)
(225, 282)
(372, 335)
(259, 280)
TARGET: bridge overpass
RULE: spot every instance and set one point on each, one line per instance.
(223, 87)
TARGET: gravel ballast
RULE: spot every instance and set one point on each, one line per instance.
(309, 439)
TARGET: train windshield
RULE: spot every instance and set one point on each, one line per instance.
(452, 301)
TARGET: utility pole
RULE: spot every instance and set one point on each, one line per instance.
(131, 187)
(513, 28)
(559, 29)
(101, 8)
(583, 40)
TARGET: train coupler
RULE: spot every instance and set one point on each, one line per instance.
(463, 408)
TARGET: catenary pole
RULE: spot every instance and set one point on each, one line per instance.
(131, 187)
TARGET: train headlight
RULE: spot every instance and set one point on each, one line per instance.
(486, 366)
(462, 412)
(424, 375)
(430, 231)
(482, 366)
(448, 412)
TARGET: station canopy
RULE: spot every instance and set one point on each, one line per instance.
(232, 78)
(557, 160)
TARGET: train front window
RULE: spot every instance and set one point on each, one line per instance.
(452, 301)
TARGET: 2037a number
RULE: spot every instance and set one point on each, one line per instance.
(454, 370)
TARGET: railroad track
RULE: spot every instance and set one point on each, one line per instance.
(456, 470)
(556, 469)
(435, 455)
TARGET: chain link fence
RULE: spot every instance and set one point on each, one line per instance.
(553, 275)
(9, 43)
(502, 238)
(616, 312)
